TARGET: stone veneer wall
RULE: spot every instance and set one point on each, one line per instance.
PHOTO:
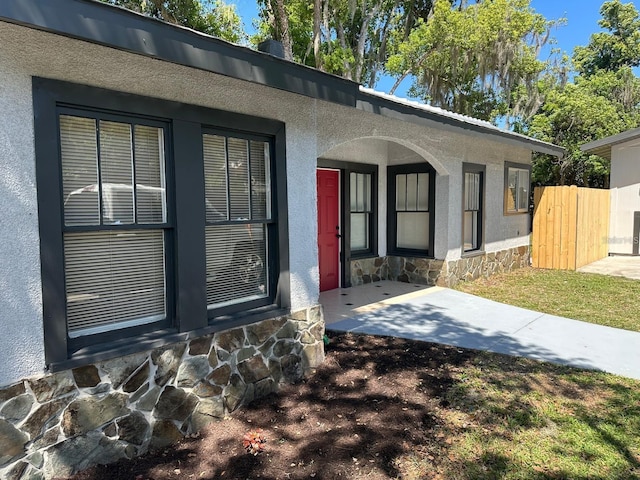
(424, 271)
(60, 423)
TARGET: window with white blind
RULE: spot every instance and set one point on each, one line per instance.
(361, 211)
(517, 187)
(155, 221)
(238, 218)
(115, 217)
(472, 206)
(411, 209)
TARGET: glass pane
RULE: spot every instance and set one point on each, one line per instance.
(361, 192)
(523, 187)
(413, 230)
(367, 192)
(401, 192)
(215, 177)
(472, 191)
(423, 192)
(236, 263)
(470, 230)
(113, 279)
(260, 185)
(79, 153)
(116, 169)
(353, 191)
(238, 179)
(412, 192)
(150, 179)
(512, 179)
(359, 231)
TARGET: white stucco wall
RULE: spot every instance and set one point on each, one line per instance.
(398, 142)
(313, 128)
(21, 338)
(625, 195)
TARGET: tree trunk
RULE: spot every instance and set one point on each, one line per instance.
(317, 32)
(281, 27)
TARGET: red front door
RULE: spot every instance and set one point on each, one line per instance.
(328, 183)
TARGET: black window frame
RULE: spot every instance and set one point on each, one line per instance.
(519, 166)
(480, 170)
(392, 226)
(185, 279)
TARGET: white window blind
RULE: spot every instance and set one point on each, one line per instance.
(114, 278)
(412, 211)
(360, 210)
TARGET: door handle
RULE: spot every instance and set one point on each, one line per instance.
(337, 230)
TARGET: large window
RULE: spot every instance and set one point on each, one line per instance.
(155, 219)
(472, 207)
(115, 221)
(517, 185)
(411, 197)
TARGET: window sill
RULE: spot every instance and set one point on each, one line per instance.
(361, 256)
(472, 253)
(410, 254)
(509, 214)
(162, 338)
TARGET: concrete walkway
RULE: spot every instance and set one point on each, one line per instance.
(618, 266)
(450, 317)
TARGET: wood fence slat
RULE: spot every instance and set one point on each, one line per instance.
(570, 227)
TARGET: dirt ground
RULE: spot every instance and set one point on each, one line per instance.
(372, 405)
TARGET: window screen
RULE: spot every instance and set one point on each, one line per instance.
(472, 215)
(412, 211)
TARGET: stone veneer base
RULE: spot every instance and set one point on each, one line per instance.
(57, 424)
(446, 273)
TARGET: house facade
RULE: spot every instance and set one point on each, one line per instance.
(172, 205)
(623, 151)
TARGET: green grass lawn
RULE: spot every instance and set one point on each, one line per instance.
(601, 299)
(517, 419)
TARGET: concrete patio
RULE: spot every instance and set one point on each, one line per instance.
(618, 266)
(450, 317)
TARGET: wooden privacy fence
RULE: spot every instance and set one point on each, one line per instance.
(570, 227)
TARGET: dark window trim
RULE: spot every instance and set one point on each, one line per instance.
(189, 291)
(345, 212)
(521, 166)
(392, 171)
(482, 170)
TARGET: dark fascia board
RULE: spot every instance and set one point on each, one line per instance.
(118, 28)
(406, 113)
(602, 147)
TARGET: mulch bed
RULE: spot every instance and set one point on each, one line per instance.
(373, 404)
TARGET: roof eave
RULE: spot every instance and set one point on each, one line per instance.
(602, 147)
(388, 108)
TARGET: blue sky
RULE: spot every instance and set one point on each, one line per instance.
(582, 17)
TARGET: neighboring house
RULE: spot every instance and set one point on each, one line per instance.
(172, 206)
(623, 151)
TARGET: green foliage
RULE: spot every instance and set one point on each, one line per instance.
(618, 47)
(212, 17)
(602, 100)
(479, 60)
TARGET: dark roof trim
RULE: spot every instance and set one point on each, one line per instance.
(602, 147)
(399, 111)
(118, 28)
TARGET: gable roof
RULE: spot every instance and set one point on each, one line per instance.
(115, 27)
(602, 147)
